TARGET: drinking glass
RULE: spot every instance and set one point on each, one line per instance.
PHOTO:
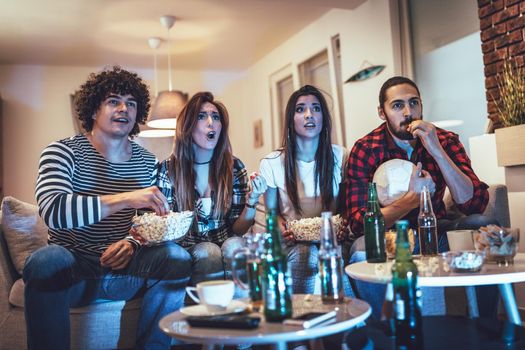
(248, 260)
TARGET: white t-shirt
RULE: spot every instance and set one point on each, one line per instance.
(272, 169)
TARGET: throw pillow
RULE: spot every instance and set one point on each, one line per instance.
(24, 230)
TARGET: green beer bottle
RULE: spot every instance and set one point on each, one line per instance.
(374, 225)
(277, 290)
(407, 296)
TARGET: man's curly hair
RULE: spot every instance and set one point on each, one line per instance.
(111, 81)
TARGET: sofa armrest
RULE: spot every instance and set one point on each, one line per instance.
(8, 274)
(498, 205)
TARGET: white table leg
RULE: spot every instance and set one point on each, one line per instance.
(472, 301)
(507, 294)
(280, 346)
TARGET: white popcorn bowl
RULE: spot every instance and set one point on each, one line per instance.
(309, 229)
(156, 229)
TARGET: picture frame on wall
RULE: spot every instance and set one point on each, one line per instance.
(258, 134)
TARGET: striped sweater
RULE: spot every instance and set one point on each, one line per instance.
(71, 178)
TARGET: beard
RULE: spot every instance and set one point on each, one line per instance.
(401, 132)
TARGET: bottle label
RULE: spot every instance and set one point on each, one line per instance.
(399, 307)
(270, 301)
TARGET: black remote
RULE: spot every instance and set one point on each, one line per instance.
(224, 321)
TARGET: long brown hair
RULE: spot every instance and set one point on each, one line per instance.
(324, 156)
(221, 166)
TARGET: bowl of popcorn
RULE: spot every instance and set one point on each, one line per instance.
(156, 229)
(499, 244)
(309, 229)
(464, 260)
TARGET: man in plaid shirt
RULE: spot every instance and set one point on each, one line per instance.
(440, 158)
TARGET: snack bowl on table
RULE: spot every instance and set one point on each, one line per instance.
(499, 244)
(156, 229)
(309, 229)
(464, 260)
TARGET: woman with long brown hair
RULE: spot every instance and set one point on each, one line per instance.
(303, 178)
(203, 176)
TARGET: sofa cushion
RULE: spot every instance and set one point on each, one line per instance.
(23, 229)
(16, 295)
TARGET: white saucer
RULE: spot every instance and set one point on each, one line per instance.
(234, 307)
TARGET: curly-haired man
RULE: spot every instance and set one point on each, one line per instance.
(89, 187)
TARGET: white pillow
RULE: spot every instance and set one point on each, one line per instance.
(392, 179)
(23, 229)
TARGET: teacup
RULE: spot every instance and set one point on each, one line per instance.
(215, 295)
(460, 240)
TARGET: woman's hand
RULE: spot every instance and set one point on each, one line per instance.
(257, 187)
(288, 237)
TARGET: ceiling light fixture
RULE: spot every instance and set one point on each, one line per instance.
(369, 71)
(154, 44)
(168, 104)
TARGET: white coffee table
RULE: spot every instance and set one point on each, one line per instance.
(349, 314)
(503, 276)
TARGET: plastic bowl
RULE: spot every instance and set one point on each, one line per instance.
(157, 229)
(464, 260)
(499, 244)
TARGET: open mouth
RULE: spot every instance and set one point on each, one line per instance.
(211, 135)
(309, 125)
(121, 120)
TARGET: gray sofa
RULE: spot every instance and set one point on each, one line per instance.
(104, 325)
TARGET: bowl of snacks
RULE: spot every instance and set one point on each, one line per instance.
(464, 260)
(309, 229)
(157, 229)
(390, 242)
(499, 244)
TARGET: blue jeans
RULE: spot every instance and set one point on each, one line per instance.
(211, 262)
(57, 279)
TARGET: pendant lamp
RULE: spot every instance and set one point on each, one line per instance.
(154, 44)
(168, 104)
(367, 71)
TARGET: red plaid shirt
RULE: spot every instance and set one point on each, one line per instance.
(378, 146)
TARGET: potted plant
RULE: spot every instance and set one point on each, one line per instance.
(510, 139)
